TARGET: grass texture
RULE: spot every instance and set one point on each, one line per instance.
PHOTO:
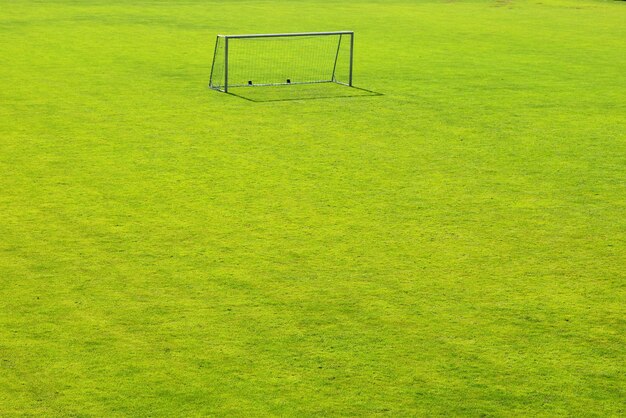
(452, 242)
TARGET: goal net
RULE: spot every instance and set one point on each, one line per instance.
(282, 59)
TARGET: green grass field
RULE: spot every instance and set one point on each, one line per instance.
(452, 245)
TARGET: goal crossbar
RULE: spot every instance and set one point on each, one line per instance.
(278, 35)
(238, 65)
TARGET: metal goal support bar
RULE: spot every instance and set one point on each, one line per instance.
(278, 35)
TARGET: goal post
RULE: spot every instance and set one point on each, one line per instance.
(274, 59)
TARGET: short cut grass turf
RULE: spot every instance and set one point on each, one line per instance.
(453, 245)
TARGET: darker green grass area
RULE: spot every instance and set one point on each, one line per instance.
(446, 239)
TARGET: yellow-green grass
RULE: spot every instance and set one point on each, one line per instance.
(452, 246)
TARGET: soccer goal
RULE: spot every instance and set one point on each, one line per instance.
(276, 59)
